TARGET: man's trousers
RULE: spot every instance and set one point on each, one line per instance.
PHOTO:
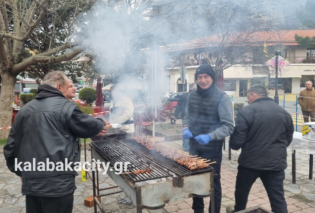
(215, 155)
(36, 204)
(273, 183)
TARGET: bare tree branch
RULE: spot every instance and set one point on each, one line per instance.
(42, 58)
(57, 49)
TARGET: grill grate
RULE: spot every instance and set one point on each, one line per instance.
(167, 163)
(113, 150)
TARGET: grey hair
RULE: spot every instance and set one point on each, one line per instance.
(258, 89)
(54, 78)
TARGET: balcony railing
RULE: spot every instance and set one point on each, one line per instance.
(294, 60)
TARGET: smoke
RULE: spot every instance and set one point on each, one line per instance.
(122, 35)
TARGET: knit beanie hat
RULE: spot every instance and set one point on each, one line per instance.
(205, 69)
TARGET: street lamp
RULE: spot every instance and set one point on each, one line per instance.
(276, 81)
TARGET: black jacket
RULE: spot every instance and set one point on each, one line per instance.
(181, 105)
(264, 131)
(48, 128)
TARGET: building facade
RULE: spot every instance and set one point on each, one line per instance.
(239, 77)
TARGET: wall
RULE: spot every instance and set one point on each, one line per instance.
(296, 86)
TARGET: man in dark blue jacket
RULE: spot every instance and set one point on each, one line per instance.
(180, 110)
(45, 133)
(263, 131)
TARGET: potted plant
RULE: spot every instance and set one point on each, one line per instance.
(86, 110)
(25, 98)
(89, 96)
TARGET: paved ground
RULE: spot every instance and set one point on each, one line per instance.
(300, 197)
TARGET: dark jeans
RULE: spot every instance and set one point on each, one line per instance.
(198, 204)
(273, 182)
(35, 204)
(308, 114)
(186, 144)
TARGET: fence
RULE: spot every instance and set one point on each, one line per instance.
(290, 103)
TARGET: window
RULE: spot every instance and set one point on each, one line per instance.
(311, 55)
(306, 78)
(229, 85)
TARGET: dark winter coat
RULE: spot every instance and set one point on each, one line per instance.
(47, 128)
(181, 105)
(263, 131)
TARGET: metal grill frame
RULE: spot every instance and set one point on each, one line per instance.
(139, 192)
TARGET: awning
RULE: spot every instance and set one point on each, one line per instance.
(238, 72)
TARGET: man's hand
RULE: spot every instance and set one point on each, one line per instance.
(187, 133)
(203, 139)
(102, 133)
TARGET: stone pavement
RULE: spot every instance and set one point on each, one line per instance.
(300, 197)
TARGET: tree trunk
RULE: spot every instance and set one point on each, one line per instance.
(6, 99)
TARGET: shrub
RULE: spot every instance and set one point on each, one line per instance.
(25, 98)
(33, 91)
(88, 95)
(86, 110)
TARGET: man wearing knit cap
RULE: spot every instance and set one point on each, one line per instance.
(208, 120)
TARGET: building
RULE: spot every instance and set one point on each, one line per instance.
(252, 70)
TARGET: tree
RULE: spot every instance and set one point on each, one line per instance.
(306, 14)
(33, 37)
(226, 32)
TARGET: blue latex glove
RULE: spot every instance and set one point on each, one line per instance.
(187, 134)
(203, 139)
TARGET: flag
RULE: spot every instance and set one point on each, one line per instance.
(265, 50)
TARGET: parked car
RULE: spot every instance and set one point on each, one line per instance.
(78, 87)
(172, 101)
(175, 96)
(168, 94)
(107, 95)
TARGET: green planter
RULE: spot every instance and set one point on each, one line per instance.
(25, 98)
(88, 95)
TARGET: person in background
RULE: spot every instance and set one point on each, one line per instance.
(263, 131)
(307, 102)
(180, 110)
(208, 120)
(71, 91)
(46, 129)
(121, 110)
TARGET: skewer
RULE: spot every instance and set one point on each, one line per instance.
(212, 162)
(125, 173)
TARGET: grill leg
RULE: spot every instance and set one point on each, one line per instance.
(138, 200)
(311, 167)
(212, 193)
(85, 149)
(293, 167)
(94, 193)
(230, 153)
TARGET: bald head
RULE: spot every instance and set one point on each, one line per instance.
(308, 85)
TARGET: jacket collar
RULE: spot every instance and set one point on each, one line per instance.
(47, 91)
(263, 99)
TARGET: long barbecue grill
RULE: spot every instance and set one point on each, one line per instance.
(167, 181)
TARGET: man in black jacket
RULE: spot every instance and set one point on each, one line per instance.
(180, 109)
(264, 131)
(46, 130)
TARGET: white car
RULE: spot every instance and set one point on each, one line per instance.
(168, 94)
